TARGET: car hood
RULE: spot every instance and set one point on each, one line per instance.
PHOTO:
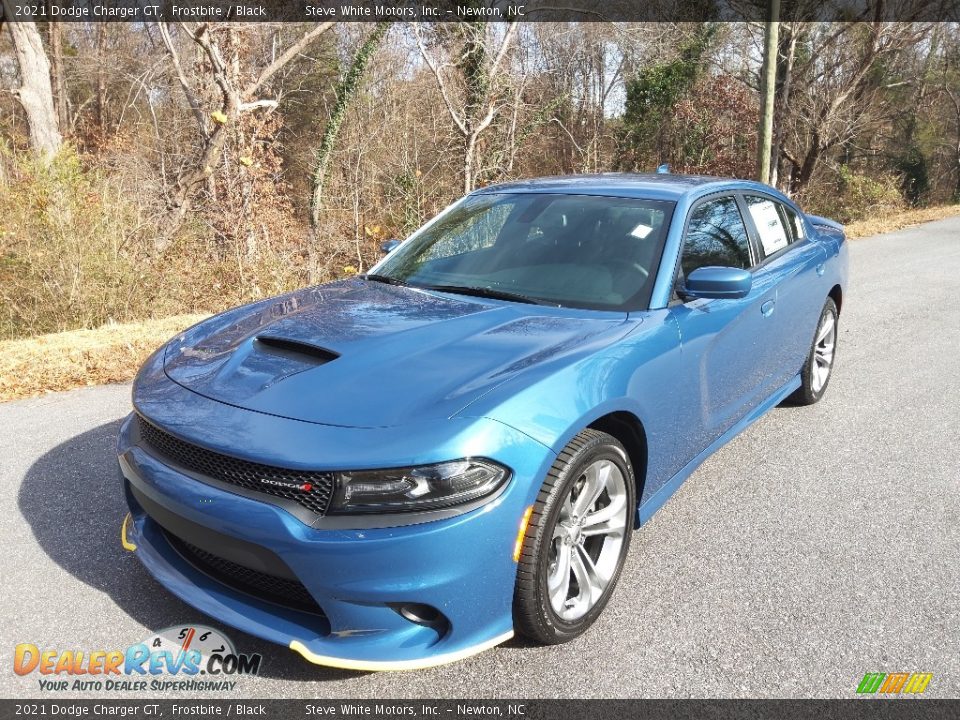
(364, 354)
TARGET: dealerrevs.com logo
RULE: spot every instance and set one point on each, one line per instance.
(187, 657)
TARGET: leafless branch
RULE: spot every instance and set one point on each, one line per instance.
(289, 54)
(184, 83)
(441, 84)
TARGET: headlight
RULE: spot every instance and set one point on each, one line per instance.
(426, 487)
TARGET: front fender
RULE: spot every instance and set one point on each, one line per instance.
(634, 375)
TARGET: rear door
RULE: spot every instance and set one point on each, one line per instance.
(729, 352)
(791, 263)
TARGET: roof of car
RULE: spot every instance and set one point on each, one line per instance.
(654, 186)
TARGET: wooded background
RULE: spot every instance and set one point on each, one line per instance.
(154, 169)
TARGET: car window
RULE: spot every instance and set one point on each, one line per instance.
(771, 223)
(716, 235)
(794, 221)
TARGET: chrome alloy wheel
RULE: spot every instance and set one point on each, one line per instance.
(587, 538)
(823, 349)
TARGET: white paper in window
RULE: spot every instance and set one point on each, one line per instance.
(773, 235)
(641, 231)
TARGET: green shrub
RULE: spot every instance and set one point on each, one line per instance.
(855, 196)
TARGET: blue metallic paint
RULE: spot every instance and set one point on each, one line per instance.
(445, 351)
(425, 377)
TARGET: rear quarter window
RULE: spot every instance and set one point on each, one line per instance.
(771, 222)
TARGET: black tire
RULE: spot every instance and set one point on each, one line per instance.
(534, 616)
(809, 392)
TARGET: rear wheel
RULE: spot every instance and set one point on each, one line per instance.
(816, 372)
(577, 540)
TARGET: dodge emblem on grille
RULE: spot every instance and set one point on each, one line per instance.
(306, 487)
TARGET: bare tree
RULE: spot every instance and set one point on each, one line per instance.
(475, 104)
(102, 76)
(786, 56)
(841, 95)
(35, 94)
(235, 98)
(949, 114)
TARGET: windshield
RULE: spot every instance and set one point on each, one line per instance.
(570, 250)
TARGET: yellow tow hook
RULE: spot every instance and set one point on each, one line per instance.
(127, 545)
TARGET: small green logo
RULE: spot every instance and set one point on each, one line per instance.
(894, 683)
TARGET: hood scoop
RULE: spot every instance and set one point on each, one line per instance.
(295, 349)
(252, 367)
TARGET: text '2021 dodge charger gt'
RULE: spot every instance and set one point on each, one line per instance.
(404, 468)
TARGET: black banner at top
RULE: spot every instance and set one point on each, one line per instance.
(473, 10)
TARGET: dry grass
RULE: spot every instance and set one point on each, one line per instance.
(896, 221)
(65, 360)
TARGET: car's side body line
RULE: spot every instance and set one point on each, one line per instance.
(653, 503)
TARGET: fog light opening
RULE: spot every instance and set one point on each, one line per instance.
(425, 615)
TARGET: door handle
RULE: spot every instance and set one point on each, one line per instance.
(767, 308)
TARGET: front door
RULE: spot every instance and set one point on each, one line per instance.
(728, 353)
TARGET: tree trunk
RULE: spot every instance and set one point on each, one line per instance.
(469, 160)
(768, 81)
(35, 93)
(801, 178)
(60, 97)
(956, 191)
(181, 198)
(783, 106)
(102, 77)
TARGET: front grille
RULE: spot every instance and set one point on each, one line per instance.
(282, 591)
(242, 473)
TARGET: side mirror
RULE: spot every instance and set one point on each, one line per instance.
(717, 283)
(389, 246)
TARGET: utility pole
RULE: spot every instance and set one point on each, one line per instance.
(768, 81)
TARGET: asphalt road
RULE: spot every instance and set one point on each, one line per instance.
(822, 543)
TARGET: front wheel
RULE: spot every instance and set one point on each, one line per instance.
(577, 540)
(815, 375)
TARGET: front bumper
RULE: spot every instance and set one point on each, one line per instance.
(461, 566)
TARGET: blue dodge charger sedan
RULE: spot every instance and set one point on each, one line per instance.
(407, 467)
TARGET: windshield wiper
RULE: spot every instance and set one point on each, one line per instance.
(461, 290)
(384, 279)
(486, 292)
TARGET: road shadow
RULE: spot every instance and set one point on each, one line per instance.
(73, 501)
